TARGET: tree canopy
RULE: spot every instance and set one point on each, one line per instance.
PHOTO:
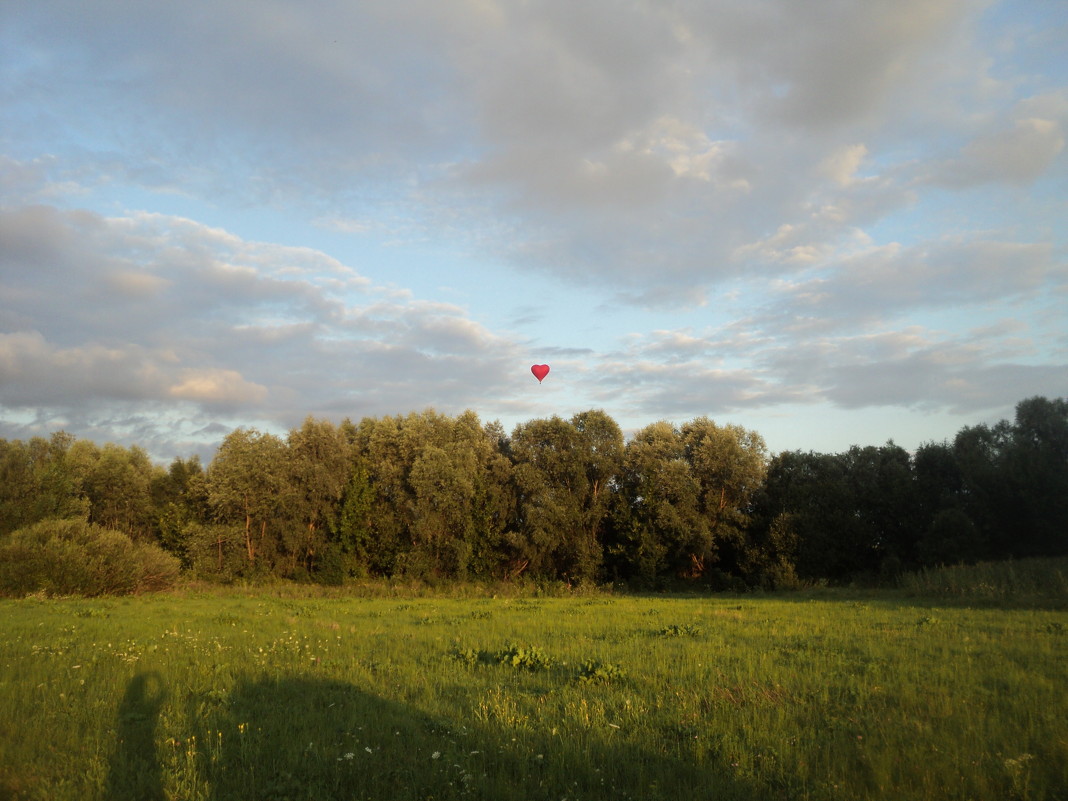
(440, 498)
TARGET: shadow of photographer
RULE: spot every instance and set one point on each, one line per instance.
(135, 772)
(298, 739)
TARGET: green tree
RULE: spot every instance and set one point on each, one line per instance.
(729, 465)
(601, 441)
(947, 533)
(951, 537)
(809, 496)
(657, 519)
(564, 471)
(441, 494)
(246, 483)
(180, 499)
(1035, 467)
(37, 482)
(494, 505)
(317, 471)
(885, 502)
(990, 502)
(117, 484)
(443, 483)
(551, 483)
(379, 449)
(354, 527)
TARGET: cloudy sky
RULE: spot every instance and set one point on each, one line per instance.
(833, 222)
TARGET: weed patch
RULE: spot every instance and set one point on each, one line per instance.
(686, 630)
(519, 657)
(594, 671)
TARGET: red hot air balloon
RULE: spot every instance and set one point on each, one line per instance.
(540, 371)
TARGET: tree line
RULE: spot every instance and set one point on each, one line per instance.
(439, 498)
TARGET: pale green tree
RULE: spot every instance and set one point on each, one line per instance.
(564, 471)
(318, 467)
(246, 482)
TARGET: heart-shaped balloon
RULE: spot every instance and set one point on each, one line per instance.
(540, 371)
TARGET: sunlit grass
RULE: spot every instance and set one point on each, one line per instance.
(246, 696)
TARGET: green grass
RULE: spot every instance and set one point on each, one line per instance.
(1029, 581)
(245, 695)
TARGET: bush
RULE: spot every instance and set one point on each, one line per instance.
(73, 557)
(1041, 581)
(593, 671)
(330, 567)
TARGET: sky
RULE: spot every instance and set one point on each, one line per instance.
(830, 222)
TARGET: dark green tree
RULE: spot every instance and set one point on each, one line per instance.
(988, 500)
(657, 519)
(947, 533)
(812, 494)
(1035, 466)
(180, 499)
(885, 503)
(354, 527)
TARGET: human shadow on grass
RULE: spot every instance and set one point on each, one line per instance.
(135, 771)
(305, 739)
(300, 738)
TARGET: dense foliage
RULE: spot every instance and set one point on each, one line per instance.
(72, 557)
(436, 498)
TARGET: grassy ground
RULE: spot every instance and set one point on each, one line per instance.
(206, 695)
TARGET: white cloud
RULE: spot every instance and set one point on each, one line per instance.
(841, 166)
(760, 185)
(223, 324)
(34, 371)
(624, 144)
(911, 367)
(215, 386)
(888, 280)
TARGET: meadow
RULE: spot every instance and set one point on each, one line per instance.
(277, 694)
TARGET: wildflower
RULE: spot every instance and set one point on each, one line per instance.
(368, 749)
(435, 755)
(1019, 762)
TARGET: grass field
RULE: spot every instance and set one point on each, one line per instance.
(255, 695)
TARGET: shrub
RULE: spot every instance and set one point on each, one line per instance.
(330, 567)
(675, 630)
(593, 671)
(1039, 580)
(515, 656)
(73, 557)
(524, 658)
